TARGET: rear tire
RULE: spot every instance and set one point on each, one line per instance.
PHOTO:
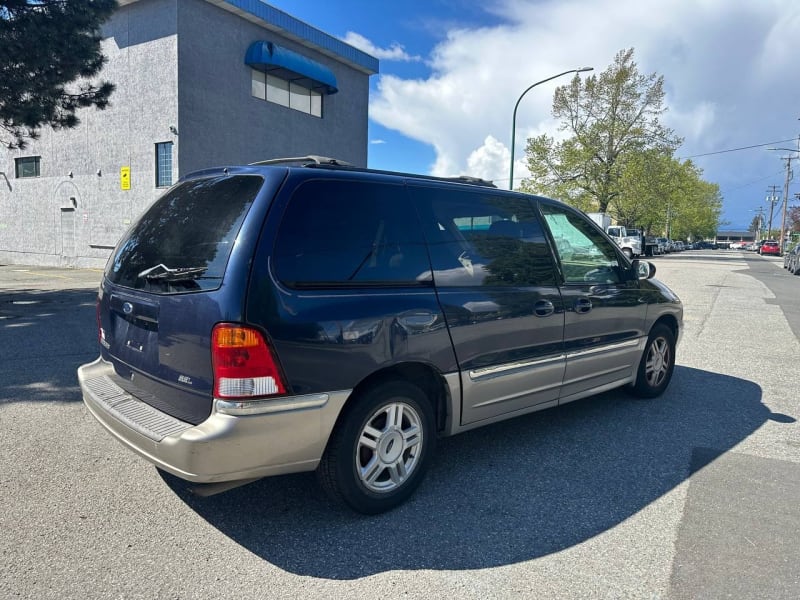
(657, 364)
(380, 449)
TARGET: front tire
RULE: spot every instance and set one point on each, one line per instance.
(380, 449)
(657, 364)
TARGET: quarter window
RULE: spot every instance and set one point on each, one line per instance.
(164, 164)
(347, 233)
(28, 166)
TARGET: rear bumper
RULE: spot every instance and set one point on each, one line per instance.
(237, 441)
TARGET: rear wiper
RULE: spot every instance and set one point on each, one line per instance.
(162, 271)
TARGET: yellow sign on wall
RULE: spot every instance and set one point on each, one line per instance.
(125, 178)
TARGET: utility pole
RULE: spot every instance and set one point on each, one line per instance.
(788, 160)
(759, 222)
(772, 199)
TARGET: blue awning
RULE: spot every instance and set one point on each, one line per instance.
(291, 66)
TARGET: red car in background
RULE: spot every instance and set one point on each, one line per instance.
(770, 247)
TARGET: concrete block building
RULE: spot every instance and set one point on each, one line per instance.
(200, 83)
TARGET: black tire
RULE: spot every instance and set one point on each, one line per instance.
(657, 364)
(397, 419)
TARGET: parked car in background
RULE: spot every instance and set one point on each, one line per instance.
(740, 245)
(280, 317)
(791, 260)
(653, 247)
(770, 247)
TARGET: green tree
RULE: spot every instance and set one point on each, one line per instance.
(698, 211)
(665, 196)
(793, 219)
(609, 118)
(49, 54)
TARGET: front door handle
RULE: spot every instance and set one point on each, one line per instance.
(543, 308)
(583, 305)
(418, 321)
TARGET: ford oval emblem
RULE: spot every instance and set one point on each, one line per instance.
(127, 308)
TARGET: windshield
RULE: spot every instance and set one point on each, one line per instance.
(183, 242)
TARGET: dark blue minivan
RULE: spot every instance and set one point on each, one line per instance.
(310, 315)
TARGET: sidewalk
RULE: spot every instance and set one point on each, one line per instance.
(21, 277)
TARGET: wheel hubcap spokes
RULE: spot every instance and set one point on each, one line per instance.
(389, 447)
(658, 360)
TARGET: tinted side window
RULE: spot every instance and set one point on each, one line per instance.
(585, 255)
(350, 233)
(477, 238)
(184, 240)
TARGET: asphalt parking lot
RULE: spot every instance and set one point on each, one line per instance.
(693, 495)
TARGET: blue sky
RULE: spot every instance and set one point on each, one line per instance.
(451, 71)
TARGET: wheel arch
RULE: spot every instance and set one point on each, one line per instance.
(671, 322)
(423, 375)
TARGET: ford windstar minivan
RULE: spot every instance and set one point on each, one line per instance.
(308, 315)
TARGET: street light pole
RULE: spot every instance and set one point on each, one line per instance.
(514, 117)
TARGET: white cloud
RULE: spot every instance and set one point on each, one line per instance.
(491, 158)
(377, 141)
(729, 71)
(394, 52)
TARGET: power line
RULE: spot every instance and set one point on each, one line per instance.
(712, 154)
(738, 149)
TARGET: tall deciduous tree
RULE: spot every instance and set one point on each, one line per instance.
(665, 196)
(793, 219)
(608, 118)
(49, 54)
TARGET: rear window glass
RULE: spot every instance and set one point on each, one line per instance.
(183, 242)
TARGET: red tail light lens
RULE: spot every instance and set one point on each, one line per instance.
(244, 366)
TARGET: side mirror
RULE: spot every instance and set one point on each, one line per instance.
(644, 269)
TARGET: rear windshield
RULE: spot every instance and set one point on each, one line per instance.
(182, 243)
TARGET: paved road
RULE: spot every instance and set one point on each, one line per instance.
(689, 496)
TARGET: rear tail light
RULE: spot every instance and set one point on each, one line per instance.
(244, 366)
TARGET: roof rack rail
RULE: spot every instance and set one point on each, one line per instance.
(471, 180)
(460, 179)
(311, 158)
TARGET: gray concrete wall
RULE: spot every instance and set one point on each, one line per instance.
(75, 211)
(180, 64)
(226, 125)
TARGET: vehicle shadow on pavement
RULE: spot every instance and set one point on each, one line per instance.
(502, 494)
(44, 337)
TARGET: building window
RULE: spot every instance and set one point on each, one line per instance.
(28, 166)
(258, 89)
(286, 93)
(164, 164)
